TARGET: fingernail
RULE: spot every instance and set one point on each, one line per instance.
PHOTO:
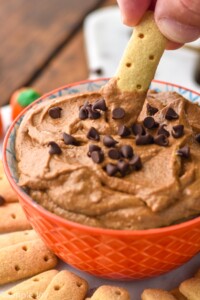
(178, 32)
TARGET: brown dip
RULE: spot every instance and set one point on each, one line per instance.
(166, 190)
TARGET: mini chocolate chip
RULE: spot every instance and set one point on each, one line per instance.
(114, 153)
(123, 167)
(144, 139)
(83, 113)
(108, 141)
(97, 156)
(123, 131)
(184, 152)
(118, 113)
(93, 147)
(55, 112)
(150, 123)
(126, 151)
(97, 71)
(162, 130)
(93, 114)
(136, 163)
(177, 131)
(93, 134)
(54, 148)
(2, 201)
(100, 104)
(138, 129)
(151, 110)
(197, 137)
(69, 139)
(171, 114)
(111, 169)
(161, 140)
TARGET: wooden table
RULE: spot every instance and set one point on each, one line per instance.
(42, 43)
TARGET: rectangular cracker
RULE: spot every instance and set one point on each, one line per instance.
(190, 288)
(24, 260)
(6, 190)
(156, 294)
(32, 288)
(106, 292)
(141, 56)
(12, 218)
(66, 286)
(13, 238)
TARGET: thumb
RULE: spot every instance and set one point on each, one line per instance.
(179, 20)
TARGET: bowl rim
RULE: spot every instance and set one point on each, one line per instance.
(79, 226)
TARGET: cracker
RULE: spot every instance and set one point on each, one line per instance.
(177, 294)
(106, 292)
(66, 286)
(141, 57)
(32, 288)
(190, 288)
(13, 218)
(12, 238)
(6, 190)
(24, 260)
(156, 294)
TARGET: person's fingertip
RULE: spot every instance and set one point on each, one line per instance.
(173, 46)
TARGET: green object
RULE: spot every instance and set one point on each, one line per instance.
(26, 97)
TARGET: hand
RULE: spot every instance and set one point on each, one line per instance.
(178, 20)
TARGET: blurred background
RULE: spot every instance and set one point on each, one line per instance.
(49, 43)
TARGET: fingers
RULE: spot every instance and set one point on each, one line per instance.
(178, 20)
(133, 10)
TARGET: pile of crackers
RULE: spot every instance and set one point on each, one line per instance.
(24, 256)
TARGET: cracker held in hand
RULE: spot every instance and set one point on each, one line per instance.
(13, 218)
(32, 288)
(12, 238)
(157, 294)
(106, 292)
(136, 68)
(66, 286)
(6, 190)
(24, 260)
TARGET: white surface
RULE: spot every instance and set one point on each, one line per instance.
(106, 38)
(166, 281)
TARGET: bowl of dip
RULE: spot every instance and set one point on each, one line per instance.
(120, 210)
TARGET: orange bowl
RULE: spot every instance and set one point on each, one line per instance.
(116, 254)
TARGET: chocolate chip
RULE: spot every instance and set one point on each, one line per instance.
(123, 167)
(100, 104)
(184, 152)
(93, 114)
(55, 112)
(138, 129)
(151, 110)
(144, 139)
(83, 113)
(69, 139)
(2, 201)
(136, 163)
(150, 123)
(161, 140)
(108, 141)
(126, 151)
(118, 113)
(177, 131)
(197, 137)
(93, 134)
(54, 148)
(123, 131)
(114, 153)
(162, 130)
(171, 114)
(97, 156)
(111, 169)
(92, 148)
